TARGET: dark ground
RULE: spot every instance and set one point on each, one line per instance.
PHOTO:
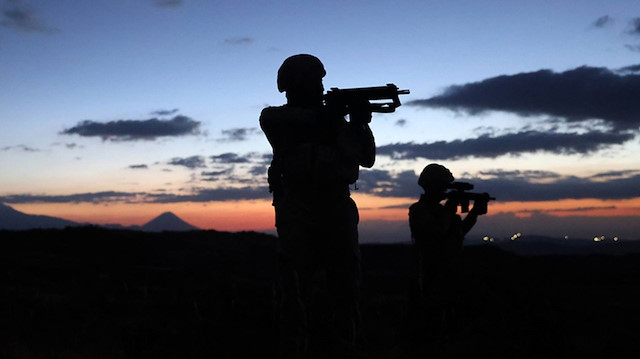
(94, 293)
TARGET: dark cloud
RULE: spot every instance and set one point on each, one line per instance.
(69, 146)
(603, 21)
(524, 189)
(217, 173)
(215, 194)
(519, 185)
(634, 48)
(374, 178)
(634, 30)
(25, 21)
(95, 197)
(238, 134)
(168, 3)
(23, 148)
(266, 158)
(221, 175)
(138, 167)
(189, 162)
(565, 210)
(387, 184)
(165, 112)
(249, 168)
(260, 170)
(198, 195)
(635, 27)
(236, 41)
(616, 174)
(629, 69)
(401, 123)
(489, 146)
(230, 157)
(519, 175)
(584, 93)
(132, 130)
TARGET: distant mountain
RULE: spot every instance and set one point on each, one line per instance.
(11, 219)
(168, 222)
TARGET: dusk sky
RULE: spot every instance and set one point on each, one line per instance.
(114, 111)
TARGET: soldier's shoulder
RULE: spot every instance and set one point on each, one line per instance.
(415, 207)
(284, 113)
(273, 109)
(421, 208)
(270, 111)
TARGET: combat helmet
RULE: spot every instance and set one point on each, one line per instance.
(435, 174)
(299, 69)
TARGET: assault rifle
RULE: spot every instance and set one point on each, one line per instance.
(458, 194)
(344, 100)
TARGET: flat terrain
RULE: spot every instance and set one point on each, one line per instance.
(95, 293)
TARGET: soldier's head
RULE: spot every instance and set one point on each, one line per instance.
(435, 178)
(300, 76)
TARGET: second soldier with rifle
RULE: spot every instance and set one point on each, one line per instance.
(438, 234)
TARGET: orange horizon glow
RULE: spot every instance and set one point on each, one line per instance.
(259, 214)
(571, 207)
(222, 216)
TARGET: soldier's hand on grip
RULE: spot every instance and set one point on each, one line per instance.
(360, 112)
(480, 204)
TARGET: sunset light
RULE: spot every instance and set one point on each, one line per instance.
(132, 110)
(319, 179)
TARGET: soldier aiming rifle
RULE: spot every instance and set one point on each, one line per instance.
(438, 234)
(316, 156)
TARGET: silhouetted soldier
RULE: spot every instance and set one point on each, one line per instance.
(438, 234)
(316, 155)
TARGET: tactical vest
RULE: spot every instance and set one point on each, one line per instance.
(309, 153)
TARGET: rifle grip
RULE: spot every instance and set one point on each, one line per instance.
(464, 206)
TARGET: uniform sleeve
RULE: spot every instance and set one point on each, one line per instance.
(367, 145)
(284, 125)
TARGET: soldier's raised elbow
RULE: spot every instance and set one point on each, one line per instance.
(368, 162)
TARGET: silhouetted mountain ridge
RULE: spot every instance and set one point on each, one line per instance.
(11, 219)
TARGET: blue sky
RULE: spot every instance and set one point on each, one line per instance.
(203, 70)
